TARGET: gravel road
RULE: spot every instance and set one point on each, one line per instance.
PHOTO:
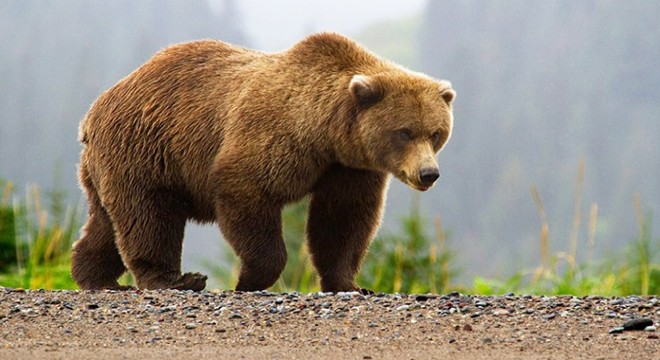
(38, 324)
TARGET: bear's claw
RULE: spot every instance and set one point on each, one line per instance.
(191, 281)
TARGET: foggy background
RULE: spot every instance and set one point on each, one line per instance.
(542, 87)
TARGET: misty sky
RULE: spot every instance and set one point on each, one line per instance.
(276, 25)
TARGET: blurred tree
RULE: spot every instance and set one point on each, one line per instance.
(58, 56)
(542, 86)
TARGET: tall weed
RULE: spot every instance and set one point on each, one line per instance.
(41, 236)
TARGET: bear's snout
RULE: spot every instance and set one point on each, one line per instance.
(428, 176)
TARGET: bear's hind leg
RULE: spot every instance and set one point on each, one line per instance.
(96, 263)
(344, 214)
(149, 237)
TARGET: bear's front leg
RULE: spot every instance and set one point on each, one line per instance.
(250, 218)
(344, 214)
(255, 233)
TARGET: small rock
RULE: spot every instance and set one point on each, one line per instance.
(637, 324)
(650, 328)
(319, 295)
(93, 306)
(499, 312)
(403, 307)
(235, 316)
(549, 316)
(467, 327)
(616, 330)
(616, 302)
(191, 326)
(425, 297)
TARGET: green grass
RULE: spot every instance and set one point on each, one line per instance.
(637, 272)
(35, 240)
(412, 261)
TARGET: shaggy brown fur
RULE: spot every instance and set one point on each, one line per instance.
(212, 132)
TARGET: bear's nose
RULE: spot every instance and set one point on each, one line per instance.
(428, 176)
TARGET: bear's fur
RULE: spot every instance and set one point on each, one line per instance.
(207, 131)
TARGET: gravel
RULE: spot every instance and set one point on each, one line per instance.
(347, 325)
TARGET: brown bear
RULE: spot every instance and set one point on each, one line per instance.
(207, 131)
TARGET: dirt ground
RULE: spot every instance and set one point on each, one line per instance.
(40, 324)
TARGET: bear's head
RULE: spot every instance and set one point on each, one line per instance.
(403, 120)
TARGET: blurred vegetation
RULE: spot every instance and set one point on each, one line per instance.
(636, 272)
(542, 86)
(412, 261)
(36, 238)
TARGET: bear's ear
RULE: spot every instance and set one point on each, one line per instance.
(365, 90)
(448, 94)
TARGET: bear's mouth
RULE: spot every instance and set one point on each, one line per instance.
(422, 187)
(411, 183)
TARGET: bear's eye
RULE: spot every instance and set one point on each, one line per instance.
(405, 134)
(435, 137)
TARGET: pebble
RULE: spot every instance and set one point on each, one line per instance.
(500, 312)
(616, 330)
(319, 295)
(151, 311)
(425, 297)
(616, 302)
(549, 316)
